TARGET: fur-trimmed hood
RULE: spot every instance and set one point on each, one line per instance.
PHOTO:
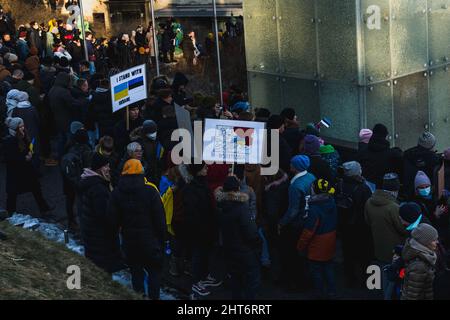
(136, 134)
(235, 196)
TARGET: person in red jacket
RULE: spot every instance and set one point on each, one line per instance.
(318, 238)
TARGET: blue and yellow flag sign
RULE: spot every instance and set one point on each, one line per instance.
(128, 87)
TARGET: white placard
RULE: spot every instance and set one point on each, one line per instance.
(233, 141)
(128, 87)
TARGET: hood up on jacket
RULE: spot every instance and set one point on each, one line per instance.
(381, 198)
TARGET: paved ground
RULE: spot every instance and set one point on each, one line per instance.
(52, 189)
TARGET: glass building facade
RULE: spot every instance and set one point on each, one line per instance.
(357, 62)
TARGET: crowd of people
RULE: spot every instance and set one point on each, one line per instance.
(132, 207)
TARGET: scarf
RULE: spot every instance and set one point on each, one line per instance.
(426, 252)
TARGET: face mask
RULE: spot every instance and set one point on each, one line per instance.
(425, 192)
(152, 136)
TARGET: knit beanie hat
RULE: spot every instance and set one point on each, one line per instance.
(427, 140)
(421, 180)
(11, 57)
(323, 186)
(75, 126)
(98, 161)
(312, 130)
(352, 169)
(425, 234)
(149, 126)
(13, 124)
(132, 167)
(391, 182)
(380, 130)
(410, 212)
(300, 163)
(365, 135)
(231, 184)
(312, 144)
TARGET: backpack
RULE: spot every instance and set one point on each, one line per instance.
(72, 165)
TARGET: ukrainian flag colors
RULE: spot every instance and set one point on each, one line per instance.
(120, 91)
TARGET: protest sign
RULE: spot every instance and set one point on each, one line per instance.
(128, 87)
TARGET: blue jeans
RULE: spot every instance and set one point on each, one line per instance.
(265, 255)
(323, 277)
(245, 283)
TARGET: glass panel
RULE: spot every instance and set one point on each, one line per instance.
(409, 36)
(265, 91)
(261, 38)
(440, 107)
(376, 41)
(379, 106)
(303, 96)
(410, 109)
(298, 37)
(337, 39)
(339, 102)
(439, 30)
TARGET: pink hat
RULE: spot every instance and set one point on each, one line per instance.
(365, 135)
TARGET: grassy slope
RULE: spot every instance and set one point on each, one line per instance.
(32, 267)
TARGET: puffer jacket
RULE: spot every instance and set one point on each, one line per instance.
(419, 273)
(100, 235)
(139, 211)
(318, 237)
(238, 228)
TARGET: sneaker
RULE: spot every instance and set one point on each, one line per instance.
(199, 289)
(210, 282)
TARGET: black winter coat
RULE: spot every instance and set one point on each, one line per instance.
(356, 234)
(100, 111)
(293, 137)
(62, 103)
(140, 213)
(380, 159)
(199, 213)
(99, 232)
(20, 174)
(240, 237)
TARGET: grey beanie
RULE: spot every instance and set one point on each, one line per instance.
(427, 140)
(75, 126)
(149, 126)
(425, 234)
(352, 169)
(13, 124)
